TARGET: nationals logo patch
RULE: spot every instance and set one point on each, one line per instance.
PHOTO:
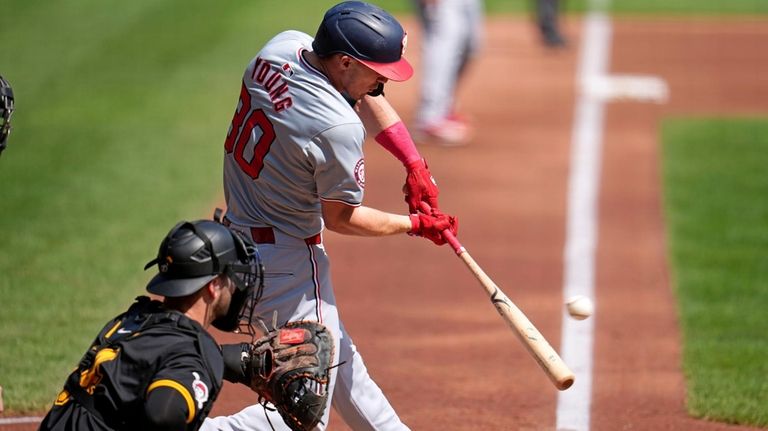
(360, 173)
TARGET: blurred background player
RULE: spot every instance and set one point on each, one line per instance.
(547, 20)
(294, 165)
(452, 32)
(6, 109)
(155, 367)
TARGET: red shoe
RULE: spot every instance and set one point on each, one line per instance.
(448, 132)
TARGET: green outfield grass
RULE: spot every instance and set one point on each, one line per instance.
(716, 199)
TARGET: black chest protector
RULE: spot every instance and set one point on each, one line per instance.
(112, 378)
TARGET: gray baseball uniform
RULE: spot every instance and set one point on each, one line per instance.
(295, 141)
(452, 35)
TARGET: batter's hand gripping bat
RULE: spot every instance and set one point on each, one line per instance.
(559, 373)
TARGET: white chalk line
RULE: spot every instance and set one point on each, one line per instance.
(596, 88)
(21, 420)
(573, 405)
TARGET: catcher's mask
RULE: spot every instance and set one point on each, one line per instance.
(367, 33)
(194, 253)
(6, 109)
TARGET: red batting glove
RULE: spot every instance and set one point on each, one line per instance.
(431, 226)
(419, 186)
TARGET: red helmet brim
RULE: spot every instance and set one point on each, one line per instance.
(398, 71)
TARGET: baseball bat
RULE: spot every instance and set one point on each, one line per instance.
(557, 371)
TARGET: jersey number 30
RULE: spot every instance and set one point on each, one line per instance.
(240, 133)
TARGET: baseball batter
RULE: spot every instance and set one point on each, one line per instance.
(294, 165)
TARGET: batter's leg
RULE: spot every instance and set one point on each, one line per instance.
(250, 418)
(357, 398)
(297, 285)
(547, 12)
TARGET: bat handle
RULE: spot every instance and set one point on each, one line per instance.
(448, 236)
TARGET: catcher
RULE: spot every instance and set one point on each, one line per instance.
(155, 367)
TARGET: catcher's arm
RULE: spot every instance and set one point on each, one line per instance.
(236, 358)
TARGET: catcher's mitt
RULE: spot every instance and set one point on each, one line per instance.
(289, 367)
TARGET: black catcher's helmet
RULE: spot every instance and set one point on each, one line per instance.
(6, 109)
(194, 253)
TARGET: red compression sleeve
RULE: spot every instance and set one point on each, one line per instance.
(397, 141)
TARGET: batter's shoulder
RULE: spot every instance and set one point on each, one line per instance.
(289, 39)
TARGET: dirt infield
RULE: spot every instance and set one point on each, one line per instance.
(429, 336)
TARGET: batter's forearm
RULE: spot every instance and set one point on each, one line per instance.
(363, 221)
(381, 121)
(377, 114)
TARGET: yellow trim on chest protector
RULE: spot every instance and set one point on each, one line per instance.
(114, 328)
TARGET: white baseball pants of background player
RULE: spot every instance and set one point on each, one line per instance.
(452, 32)
(297, 284)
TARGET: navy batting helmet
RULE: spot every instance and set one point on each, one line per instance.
(6, 109)
(367, 33)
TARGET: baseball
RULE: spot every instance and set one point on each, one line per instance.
(579, 307)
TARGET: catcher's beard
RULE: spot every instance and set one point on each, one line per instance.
(220, 307)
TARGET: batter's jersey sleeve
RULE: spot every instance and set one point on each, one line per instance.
(339, 165)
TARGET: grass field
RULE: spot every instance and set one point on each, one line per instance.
(717, 216)
(121, 113)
